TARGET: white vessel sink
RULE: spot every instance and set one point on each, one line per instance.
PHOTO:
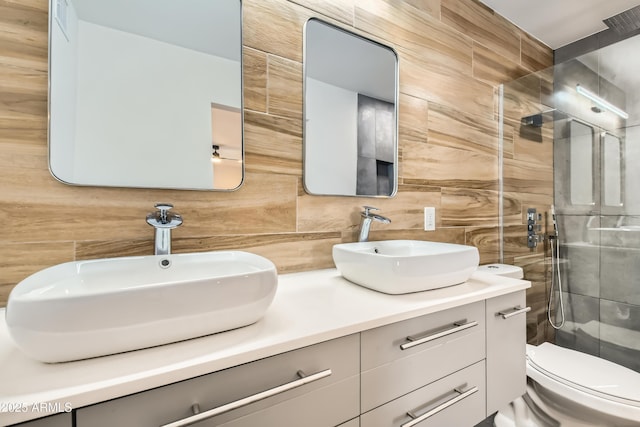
(404, 266)
(84, 309)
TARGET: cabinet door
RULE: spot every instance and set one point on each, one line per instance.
(506, 349)
(327, 400)
(60, 420)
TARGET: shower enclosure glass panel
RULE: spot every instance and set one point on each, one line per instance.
(596, 167)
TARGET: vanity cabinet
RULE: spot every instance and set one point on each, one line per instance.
(452, 367)
(506, 349)
(330, 397)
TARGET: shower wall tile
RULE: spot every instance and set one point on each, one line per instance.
(619, 273)
(572, 228)
(508, 136)
(524, 176)
(626, 316)
(583, 269)
(512, 208)
(620, 333)
(581, 331)
(533, 144)
(447, 137)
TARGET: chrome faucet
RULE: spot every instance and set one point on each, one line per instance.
(365, 222)
(163, 221)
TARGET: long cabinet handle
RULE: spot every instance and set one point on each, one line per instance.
(461, 395)
(304, 379)
(458, 326)
(513, 312)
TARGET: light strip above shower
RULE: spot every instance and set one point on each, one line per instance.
(601, 102)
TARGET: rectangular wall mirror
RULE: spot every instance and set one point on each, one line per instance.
(146, 93)
(350, 113)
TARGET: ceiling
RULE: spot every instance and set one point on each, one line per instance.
(558, 23)
(212, 27)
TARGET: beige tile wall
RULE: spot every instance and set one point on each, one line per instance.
(452, 53)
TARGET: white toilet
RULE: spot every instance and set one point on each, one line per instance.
(566, 388)
(571, 389)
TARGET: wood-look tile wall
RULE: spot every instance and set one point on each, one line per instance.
(453, 54)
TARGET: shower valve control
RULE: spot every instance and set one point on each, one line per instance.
(533, 228)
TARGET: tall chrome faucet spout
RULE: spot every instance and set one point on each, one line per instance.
(365, 222)
(163, 221)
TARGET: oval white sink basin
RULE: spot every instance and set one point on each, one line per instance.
(83, 309)
(404, 266)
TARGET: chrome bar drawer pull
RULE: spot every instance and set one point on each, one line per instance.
(418, 419)
(199, 416)
(458, 326)
(513, 312)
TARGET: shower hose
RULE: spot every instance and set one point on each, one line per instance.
(556, 280)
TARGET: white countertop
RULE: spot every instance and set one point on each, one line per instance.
(308, 308)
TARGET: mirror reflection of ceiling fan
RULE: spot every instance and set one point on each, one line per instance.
(216, 157)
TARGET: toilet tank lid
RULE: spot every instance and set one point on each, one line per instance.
(586, 372)
(505, 270)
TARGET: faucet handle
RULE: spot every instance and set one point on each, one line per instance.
(163, 207)
(162, 214)
(368, 209)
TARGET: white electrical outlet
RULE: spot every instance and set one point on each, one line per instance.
(429, 219)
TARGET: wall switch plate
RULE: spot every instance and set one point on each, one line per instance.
(429, 219)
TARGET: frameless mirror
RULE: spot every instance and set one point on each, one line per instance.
(350, 113)
(146, 93)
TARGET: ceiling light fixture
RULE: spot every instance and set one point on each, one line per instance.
(601, 102)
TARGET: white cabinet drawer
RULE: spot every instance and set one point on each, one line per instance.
(506, 348)
(445, 342)
(327, 401)
(457, 400)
